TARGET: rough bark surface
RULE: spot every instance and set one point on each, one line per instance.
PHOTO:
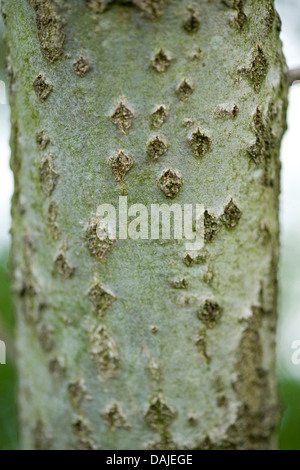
(137, 344)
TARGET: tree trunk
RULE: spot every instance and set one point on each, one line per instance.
(137, 343)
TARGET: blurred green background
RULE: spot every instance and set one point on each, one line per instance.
(289, 274)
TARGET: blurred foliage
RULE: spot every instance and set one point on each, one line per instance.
(289, 437)
(8, 376)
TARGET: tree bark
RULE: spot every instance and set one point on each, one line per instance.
(138, 344)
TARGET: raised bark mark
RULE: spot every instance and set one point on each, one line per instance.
(42, 87)
(48, 175)
(101, 296)
(170, 182)
(104, 352)
(159, 416)
(49, 27)
(200, 143)
(123, 118)
(154, 329)
(231, 215)
(210, 313)
(57, 368)
(201, 343)
(41, 439)
(226, 110)
(152, 8)
(62, 265)
(192, 23)
(208, 276)
(99, 240)
(184, 90)
(81, 66)
(262, 150)
(212, 226)
(161, 61)
(191, 259)
(83, 431)
(156, 148)
(120, 165)
(257, 417)
(45, 337)
(159, 116)
(51, 219)
(78, 392)
(180, 283)
(42, 139)
(154, 370)
(240, 18)
(115, 417)
(258, 70)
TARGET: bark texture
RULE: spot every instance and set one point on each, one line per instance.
(137, 344)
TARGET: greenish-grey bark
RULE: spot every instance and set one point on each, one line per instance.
(137, 344)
